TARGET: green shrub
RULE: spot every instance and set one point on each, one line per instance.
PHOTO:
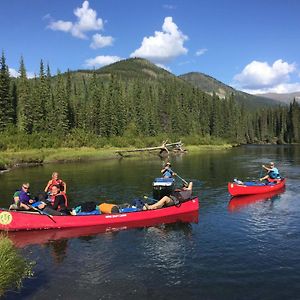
(13, 267)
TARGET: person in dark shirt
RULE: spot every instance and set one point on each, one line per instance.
(57, 202)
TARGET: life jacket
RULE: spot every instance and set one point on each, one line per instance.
(168, 173)
(274, 180)
(274, 173)
(58, 182)
(52, 199)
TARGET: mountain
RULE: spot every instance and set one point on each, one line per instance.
(135, 68)
(284, 98)
(211, 85)
(143, 70)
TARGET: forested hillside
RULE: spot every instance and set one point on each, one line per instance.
(132, 98)
(284, 98)
(210, 85)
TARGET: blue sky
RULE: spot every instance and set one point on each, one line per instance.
(251, 45)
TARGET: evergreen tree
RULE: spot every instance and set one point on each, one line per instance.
(37, 121)
(23, 108)
(61, 106)
(71, 117)
(216, 117)
(111, 108)
(6, 110)
(50, 114)
(295, 122)
(14, 99)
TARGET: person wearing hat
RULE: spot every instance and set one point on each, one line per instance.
(273, 172)
(167, 171)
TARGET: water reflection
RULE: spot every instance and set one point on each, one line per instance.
(58, 250)
(237, 203)
(24, 238)
(223, 256)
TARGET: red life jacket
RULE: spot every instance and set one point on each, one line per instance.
(52, 199)
(58, 182)
(276, 180)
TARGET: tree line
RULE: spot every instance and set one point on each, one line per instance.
(109, 106)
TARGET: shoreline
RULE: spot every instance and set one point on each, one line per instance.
(32, 157)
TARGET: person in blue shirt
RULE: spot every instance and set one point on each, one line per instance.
(22, 199)
(273, 172)
(167, 171)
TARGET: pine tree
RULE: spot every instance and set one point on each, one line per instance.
(14, 99)
(69, 100)
(23, 108)
(295, 121)
(50, 117)
(61, 106)
(110, 110)
(216, 118)
(6, 110)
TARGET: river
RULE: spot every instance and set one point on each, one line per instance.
(243, 250)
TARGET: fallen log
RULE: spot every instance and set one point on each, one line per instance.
(165, 147)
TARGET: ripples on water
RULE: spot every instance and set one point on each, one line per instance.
(236, 251)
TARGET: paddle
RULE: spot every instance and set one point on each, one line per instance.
(183, 180)
(42, 212)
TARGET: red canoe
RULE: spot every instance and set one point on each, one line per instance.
(20, 220)
(252, 188)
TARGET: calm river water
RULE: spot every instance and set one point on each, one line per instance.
(242, 250)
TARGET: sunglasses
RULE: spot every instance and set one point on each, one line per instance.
(25, 187)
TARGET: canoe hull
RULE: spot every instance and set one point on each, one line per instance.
(235, 189)
(16, 220)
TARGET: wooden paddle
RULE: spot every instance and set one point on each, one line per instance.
(183, 180)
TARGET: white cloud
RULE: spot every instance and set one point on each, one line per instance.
(101, 60)
(100, 41)
(260, 75)
(86, 21)
(61, 26)
(163, 67)
(14, 73)
(30, 75)
(283, 88)
(201, 51)
(169, 6)
(164, 45)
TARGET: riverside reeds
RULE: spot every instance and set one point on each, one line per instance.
(13, 266)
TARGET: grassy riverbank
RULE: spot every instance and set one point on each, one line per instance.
(13, 267)
(10, 159)
(21, 149)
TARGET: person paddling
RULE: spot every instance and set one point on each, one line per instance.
(273, 172)
(167, 172)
